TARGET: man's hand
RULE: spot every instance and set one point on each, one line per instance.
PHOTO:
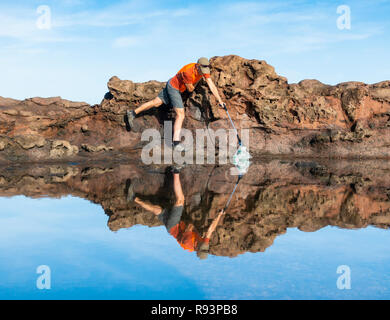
(222, 105)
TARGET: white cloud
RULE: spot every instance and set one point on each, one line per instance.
(274, 31)
(124, 42)
(23, 28)
(118, 15)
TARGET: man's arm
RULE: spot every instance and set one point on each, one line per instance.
(214, 225)
(187, 80)
(214, 90)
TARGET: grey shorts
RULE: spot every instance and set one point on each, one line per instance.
(172, 217)
(171, 96)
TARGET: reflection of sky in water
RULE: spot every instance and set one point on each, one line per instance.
(88, 261)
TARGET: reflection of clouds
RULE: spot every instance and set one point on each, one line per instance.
(45, 219)
(302, 266)
(74, 240)
(71, 236)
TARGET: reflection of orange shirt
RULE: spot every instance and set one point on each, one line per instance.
(189, 74)
(189, 240)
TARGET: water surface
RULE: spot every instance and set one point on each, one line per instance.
(288, 228)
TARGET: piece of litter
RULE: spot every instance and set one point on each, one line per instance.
(241, 160)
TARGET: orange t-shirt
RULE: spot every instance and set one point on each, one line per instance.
(188, 240)
(189, 74)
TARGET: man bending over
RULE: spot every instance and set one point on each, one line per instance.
(186, 79)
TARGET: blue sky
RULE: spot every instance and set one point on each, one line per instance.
(90, 41)
(88, 261)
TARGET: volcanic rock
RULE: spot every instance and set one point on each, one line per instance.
(307, 119)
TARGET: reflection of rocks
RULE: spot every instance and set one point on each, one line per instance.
(305, 119)
(273, 196)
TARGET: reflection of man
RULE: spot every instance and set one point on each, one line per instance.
(185, 233)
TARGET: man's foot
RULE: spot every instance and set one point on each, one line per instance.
(179, 147)
(130, 116)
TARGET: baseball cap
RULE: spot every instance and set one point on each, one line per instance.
(204, 65)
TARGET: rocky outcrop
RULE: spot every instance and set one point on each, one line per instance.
(275, 195)
(54, 129)
(308, 119)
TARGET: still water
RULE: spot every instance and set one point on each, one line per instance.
(125, 231)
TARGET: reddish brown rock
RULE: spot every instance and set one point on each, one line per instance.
(308, 119)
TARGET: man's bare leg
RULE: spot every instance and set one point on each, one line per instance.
(156, 102)
(180, 115)
(156, 210)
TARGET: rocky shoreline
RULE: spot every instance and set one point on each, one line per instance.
(308, 119)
